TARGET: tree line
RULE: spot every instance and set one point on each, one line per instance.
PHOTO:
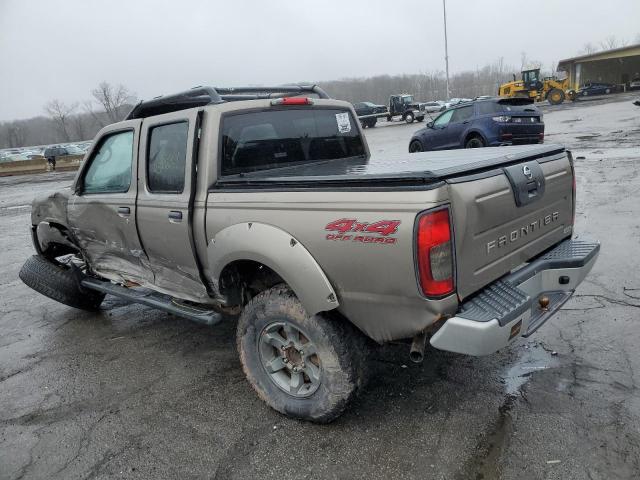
(70, 122)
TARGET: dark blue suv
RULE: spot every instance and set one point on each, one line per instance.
(482, 123)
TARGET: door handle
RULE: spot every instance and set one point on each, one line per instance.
(124, 211)
(175, 216)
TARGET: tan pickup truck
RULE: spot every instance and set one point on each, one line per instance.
(265, 202)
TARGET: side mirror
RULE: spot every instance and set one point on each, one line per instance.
(430, 125)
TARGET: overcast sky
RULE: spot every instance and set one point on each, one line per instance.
(63, 48)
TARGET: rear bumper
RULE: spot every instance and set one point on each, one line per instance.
(511, 307)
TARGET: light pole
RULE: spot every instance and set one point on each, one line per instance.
(446, 48)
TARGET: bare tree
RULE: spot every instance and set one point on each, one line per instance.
(112, 98)
(609, 43)
(523, 60)
(60, 114)
(589, 48)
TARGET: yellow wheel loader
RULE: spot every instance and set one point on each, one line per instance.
(533, 86)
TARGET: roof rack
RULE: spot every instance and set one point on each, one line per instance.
(200, 96)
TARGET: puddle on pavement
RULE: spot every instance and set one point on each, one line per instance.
(533, 358)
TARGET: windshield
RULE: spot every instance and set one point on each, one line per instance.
(263, 140)
(407, 99)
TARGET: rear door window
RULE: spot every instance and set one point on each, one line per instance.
(166, 158)
(461, 114)
(274, 138)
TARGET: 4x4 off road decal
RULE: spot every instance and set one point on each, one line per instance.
(351, 230)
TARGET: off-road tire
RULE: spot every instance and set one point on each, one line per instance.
(341, 349)
(555, 96)
(58, 283)
(409, 117)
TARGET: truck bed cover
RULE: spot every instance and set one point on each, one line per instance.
(400, 169)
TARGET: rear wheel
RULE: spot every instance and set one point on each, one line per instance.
(607, 91)
(372, 122)
(555, 96)
(59, 283)
(474, 142)
(306, 367)
(420, 119)
(409, 117)
(415, 146)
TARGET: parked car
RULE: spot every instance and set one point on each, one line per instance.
(319, 258)
(635, 84)
(596, 89)
(431, 107)
(482, 123)
(369, 108)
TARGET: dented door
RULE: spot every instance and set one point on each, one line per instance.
(102, 210)
(163, 213)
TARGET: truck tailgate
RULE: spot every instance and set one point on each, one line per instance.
(503, 218)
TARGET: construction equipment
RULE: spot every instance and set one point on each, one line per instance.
(553, 89)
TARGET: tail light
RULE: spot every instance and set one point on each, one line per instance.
(292, 101)
(434, 252)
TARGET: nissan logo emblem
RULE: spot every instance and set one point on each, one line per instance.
(527, 172)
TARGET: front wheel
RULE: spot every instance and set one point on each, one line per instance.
(420, 119)
(555, 96)
(409, 117)
(59, 283)
(303, 366)
(415, 146)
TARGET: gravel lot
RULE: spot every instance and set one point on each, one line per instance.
(135, 393)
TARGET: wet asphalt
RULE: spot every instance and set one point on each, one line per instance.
(130, 392)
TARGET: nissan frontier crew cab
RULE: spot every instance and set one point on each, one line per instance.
(265, 202)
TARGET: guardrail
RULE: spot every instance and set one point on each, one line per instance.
(39, 165)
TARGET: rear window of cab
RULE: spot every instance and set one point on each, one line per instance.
(276, 138)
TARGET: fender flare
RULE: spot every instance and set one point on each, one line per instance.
(279, 251)
(474, 131)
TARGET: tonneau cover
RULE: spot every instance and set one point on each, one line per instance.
(414, 168)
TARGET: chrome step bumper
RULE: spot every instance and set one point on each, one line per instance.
(519, 303)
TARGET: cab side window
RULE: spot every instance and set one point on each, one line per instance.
(166, 158)
(109, 170)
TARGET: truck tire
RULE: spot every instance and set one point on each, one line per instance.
(58, 283)
(306, 367)
(372, 122)
(409, 117)
(389, 118)
(420, 119)
(555, 96)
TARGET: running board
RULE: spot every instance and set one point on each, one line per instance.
(153, 299)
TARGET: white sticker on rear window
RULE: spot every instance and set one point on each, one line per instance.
(344, 125)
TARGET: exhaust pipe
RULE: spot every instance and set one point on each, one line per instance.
(416, 354)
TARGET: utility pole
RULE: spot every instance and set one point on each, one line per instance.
(446, 48)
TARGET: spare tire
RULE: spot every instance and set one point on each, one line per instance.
(58, 283)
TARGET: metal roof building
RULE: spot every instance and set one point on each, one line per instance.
(618, 66)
